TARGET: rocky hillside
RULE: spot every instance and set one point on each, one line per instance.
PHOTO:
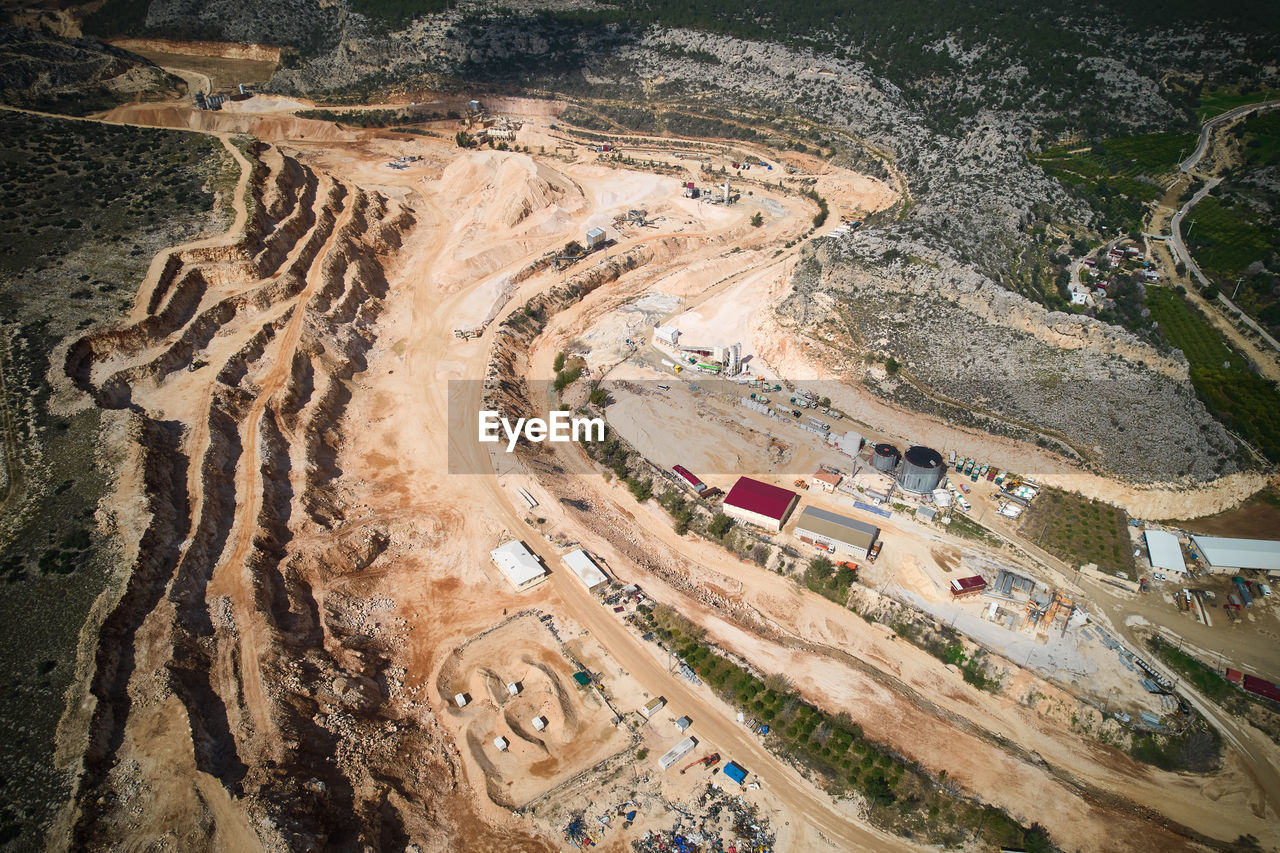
(961, 348)
(75, 76)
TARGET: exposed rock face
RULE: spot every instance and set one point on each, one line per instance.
(286, 691)
(970, 350)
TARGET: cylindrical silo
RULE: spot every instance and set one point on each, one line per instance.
(884, 457)
(921, 470)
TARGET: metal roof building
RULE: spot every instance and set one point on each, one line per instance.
(519, 564)
(831, 531)
(1225, 553)
(961, 587)
(585, 568)
(759, 503)
(1164, 551)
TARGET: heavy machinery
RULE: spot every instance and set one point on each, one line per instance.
(710, 760)
(800, 484)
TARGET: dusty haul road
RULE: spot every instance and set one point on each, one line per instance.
(304, 562)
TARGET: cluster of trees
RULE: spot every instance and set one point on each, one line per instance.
(903, 796)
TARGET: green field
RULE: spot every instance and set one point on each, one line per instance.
(1240, 398)
(1260, 137)
(1107, 172)
(1218, 101)
(1226, 238)
(1077, 530)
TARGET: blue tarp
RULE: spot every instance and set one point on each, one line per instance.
(874, 510)
(734, 772)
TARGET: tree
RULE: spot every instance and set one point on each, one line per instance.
(891, 365)
(719, 525)
(598, 397)
(558, 364)
(820, 568)
(757, 220)
(463, 140)
(642, 490)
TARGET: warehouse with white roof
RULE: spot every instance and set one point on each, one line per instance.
(581, 564)
(521, 566)
(1224, 554)
(1165, 552)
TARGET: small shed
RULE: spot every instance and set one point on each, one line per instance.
(653, 706)
(539, 723)
(501, 744)
(461, 699)
(683, 723)
(513, 688)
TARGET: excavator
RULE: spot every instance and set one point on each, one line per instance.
(710, 760)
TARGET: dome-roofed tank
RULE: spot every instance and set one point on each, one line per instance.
(921, 470)
(884, 457)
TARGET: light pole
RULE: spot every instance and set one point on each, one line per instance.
(1237, 290)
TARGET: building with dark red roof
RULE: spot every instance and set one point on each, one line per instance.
(694, 483)
(963, 587)
(760, 503)
(1262, 687)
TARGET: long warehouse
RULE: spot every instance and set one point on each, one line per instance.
(831, 531)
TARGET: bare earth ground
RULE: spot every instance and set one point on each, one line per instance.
(313, 584)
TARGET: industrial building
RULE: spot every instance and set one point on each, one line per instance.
(521, 566)
(759, 503)
(1224, 554)
(922, 470)
(832, 532)
(849, 443)
(693, 482)
(965, 587)
(884, 457)
(595, 239)
(1165, 552)
(826, 480)
(581, 564)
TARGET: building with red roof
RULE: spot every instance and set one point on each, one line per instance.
(1261, 687)
(694, 483)
(963, 587)
(759, 503)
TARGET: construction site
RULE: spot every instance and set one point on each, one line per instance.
(358, 608)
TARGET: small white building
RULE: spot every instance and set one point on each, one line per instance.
(521, 566)
(849, 444)
(513, 688)
(595, 239)
(669, 335)
(677, 752)
(581, 564)
(461, 699)
(539, 723)
(653, 706)
(501, 744)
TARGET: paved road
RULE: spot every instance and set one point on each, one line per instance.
(1207, 130)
